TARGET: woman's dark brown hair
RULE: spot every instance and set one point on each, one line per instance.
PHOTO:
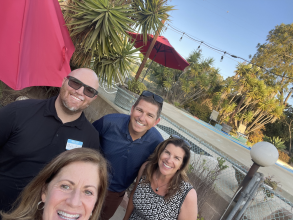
(27, 202)
(179, 176)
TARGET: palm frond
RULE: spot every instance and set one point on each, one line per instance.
(117, 65)
(149, 15)
(98, 24)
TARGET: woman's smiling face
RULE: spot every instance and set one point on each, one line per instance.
(170, 160)
(73, 193)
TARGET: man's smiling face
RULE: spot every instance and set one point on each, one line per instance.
(75, 100)
(142, 118)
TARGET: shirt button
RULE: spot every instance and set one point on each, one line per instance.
(57, 135)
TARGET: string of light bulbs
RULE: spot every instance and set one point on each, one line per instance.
(184, 34)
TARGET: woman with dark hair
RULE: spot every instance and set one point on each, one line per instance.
(162, 190)
(71, 186)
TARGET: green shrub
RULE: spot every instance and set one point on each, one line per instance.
(284, 157)
(272, 183)
(1, 88)
(200, 218)
(276, 141)
(202, 175)
(177, 104)
(203, 112)
(136, 86)
(256, 136)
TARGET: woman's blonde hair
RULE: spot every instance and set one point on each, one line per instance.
(179, 176)
(26, 204)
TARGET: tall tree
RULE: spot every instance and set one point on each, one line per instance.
(196, 81)
(282, 128)
(251, 101)
(276, 55)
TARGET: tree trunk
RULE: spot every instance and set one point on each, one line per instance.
(288, 96)
(290, 139)
(148, 53)
(235, 111)
(255, 121)
(184, 71)
(259, 125)
(289, 128)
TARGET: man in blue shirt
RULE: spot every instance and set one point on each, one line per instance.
(126, 142)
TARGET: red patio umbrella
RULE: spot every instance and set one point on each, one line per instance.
(162, 53)
(35, 44)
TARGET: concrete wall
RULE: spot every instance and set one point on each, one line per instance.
(214, 207)
(100, 107)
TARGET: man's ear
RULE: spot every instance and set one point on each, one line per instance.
(63, 81)
(157, 121)
(96, 96)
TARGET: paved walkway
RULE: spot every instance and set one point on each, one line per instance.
(119, 214)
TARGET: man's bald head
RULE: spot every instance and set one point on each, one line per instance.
(87, 76)
(72, 100)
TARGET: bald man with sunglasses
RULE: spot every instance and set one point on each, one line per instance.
(33, 132)
(126, 142)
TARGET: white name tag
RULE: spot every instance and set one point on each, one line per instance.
(72, 144)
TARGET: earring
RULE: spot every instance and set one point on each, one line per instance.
(39, 204)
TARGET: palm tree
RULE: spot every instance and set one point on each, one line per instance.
(244, 74)
(99, 30)
(247, 100)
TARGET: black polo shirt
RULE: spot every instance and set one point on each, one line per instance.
(31, 135)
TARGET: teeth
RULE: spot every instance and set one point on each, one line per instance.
(139, 123)
(67, 216)
(76, 98)
(166, 165)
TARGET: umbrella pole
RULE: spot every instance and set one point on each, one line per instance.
(152, 62)
(148, 52)
(148, 69)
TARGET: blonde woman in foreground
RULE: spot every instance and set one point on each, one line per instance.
(162, 190)
(71, 186)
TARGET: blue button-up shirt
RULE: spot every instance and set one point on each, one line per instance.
(124, 155)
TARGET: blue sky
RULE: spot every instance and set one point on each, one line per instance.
(235, 26)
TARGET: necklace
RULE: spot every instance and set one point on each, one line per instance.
(157, 189)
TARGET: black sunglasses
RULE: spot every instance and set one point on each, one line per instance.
(76, 84)
(157, 98)
(176, 136)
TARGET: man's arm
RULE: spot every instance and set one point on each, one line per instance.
(7, 119)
